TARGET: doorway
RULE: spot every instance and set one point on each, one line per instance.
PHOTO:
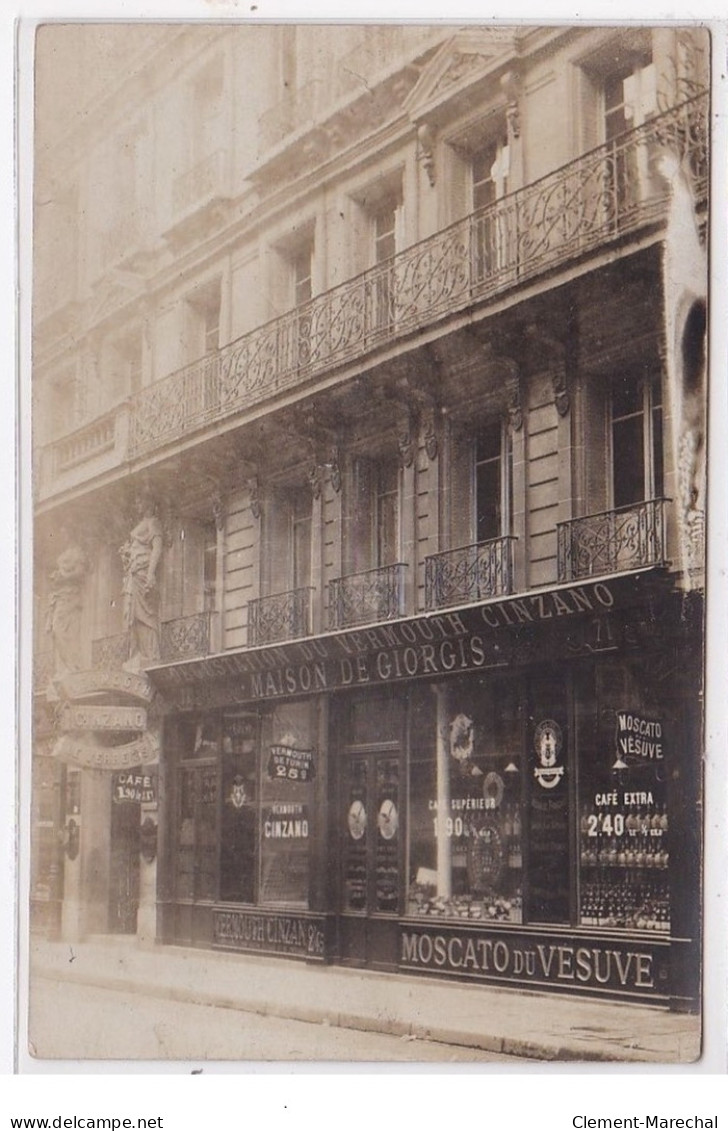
(370, 819)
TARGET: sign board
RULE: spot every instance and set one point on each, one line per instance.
(581, 620)
(286, 763)
(299, 935)
(77, 751)
(134, 786)
(639, 739)
(629, 967)
(83, 716)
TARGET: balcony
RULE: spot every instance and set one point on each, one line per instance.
(368, 597)
(185, 638)
(600, 198)
(281, 616)
(182, 638)
(91, 450)
(86, 443)
(625, 539)
(469, 573)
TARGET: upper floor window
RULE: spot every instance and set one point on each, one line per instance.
(637, 443)
(385, 516)
(629, 96)
(123, 364)
(489, 170)
(480, 481)
(373, 526)
(386, 230)
(302, 273)
(203, 320)
(288, 524)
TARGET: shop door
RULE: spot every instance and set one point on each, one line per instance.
(124, 869)
(371, 858)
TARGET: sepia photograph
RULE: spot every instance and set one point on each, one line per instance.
(369, 473)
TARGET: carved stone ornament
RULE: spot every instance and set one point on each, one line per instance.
(430, 434)
(218, 511)
(515, 404)
(254, 491)
(405, 439)
(313, 472)
(510, 86)
(561, 392)
(334, 468)
(426, 139)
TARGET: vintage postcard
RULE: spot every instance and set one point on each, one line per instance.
(369, 387)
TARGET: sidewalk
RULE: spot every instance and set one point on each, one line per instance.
(547, 1027)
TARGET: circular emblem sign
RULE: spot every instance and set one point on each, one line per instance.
(548, 740)
(357, 820)
(388, 819)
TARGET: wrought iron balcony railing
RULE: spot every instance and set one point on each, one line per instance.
(181, 638)
(624, 539)
(469, 573)
(363, 598)
(281, 616)
(185, 638)
(598, 198)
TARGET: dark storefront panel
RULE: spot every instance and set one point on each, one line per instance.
(510, 824)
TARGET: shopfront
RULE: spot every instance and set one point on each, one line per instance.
(507, 793)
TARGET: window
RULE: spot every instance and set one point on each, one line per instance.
(203, 322)
(244, 806)
(385, 233)
(489, 169)
(490, 511)
(385, 532)
(300, 541)
(209, 567)
(637, 447)
(124, 366)
(629, 96)
(302, 274)
(466, 816)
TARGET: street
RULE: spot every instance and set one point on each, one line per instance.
(129, 1026)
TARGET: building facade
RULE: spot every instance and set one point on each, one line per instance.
(369, 485)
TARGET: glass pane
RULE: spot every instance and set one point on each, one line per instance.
(356, 830)
(239, 809)
(488, 486)
(386, 858)
(623, 824)
(287, 810)
(465, 818)
(628, 461)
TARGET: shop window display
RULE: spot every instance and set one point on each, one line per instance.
(623, 825)
(196, 858)
(244, 808)
(465, 844)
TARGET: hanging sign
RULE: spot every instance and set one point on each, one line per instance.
(130, 786)
(82, 716)
(81, 751)
(287, 763)
(77, 685)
